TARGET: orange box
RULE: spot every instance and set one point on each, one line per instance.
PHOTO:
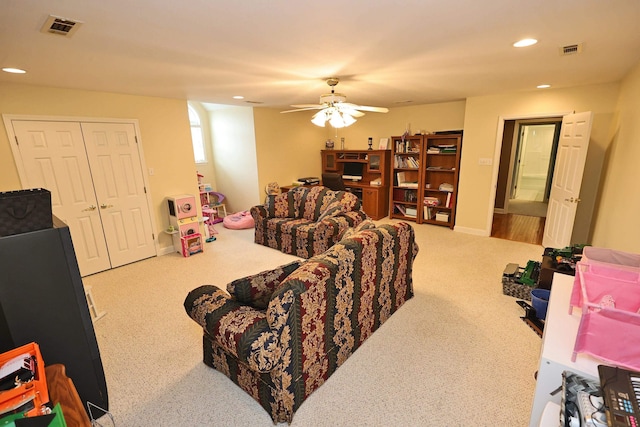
(35, 390)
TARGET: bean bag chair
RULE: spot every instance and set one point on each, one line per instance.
(239, 221)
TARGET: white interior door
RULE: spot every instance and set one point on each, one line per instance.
(53, 157)
(119, 185)
(567, 179)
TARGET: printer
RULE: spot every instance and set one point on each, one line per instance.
(310, 180)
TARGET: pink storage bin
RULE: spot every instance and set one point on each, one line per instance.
(611, 257)
(607, 263)
(607, 289)
(610, 335)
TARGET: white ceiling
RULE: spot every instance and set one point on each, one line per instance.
(279, 52)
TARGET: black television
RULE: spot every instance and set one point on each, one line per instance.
(352, 171)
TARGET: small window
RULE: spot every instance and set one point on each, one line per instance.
(197, 138)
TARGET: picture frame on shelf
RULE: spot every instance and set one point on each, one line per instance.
(383, 144)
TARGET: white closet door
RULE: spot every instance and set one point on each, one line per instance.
(119, 185)
(53, 157)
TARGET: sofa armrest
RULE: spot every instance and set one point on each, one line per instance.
(259, 212)
(256, 290)
(239, 329)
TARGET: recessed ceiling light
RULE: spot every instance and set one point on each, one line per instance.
(545, 86)
(525, 43)
(238, 97)
(13, 70)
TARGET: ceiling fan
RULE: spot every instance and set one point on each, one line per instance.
(334, 108)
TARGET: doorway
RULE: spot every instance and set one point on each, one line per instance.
(532, 169)
(527, 161)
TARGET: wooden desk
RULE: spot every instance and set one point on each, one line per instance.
(375, 199)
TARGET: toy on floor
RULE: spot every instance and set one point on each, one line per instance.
(239, 221)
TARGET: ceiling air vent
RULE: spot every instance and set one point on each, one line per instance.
(571, 49)
(62, 26)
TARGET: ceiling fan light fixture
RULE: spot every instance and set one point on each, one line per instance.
(340, 120)
(348, 119)
(319, 118)
(334, 109)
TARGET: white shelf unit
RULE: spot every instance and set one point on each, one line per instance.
(558, 341)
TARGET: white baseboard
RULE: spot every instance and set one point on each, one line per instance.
(474, 231)
(166, 250)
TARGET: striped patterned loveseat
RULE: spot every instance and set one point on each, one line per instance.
(280, 334)
(306, 221)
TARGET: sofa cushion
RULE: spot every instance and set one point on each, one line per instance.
(256, 290)
(281, 205)
(309, 202)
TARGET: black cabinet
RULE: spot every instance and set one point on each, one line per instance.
(42, 300)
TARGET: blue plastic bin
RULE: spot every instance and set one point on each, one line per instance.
(540, 301)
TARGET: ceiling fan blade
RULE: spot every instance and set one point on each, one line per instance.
(308, 106)
(372, 109)
(318, 107)
(349, 110)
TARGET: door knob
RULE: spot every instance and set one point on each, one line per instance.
(90, 208)
(572, 200)
(103, 206)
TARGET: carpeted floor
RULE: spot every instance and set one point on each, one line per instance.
(456, 354)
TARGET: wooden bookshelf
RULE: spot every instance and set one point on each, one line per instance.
(424, 178)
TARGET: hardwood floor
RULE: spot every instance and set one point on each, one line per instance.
(521, 228)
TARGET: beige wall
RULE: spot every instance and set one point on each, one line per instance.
(429, 118)
(234, 152)
(476, 196)
(616, 224)
(164, 128)
(288, 145)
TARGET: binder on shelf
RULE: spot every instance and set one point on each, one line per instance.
(442, 216)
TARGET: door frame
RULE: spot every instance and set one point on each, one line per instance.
(498, 149)
(17, 157)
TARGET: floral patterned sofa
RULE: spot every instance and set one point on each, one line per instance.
(306, 220)
(280, 334)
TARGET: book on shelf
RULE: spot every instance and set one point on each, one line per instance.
(402, 181)
(448, 202)
(400, 208)
(411, 212)
(431, 201)
(426, 212)
(405, 162)
(442, 149)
